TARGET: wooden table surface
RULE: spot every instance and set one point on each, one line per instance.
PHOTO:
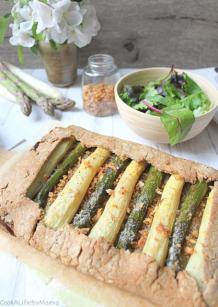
(145, 33)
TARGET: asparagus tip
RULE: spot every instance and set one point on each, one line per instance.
(63, 104)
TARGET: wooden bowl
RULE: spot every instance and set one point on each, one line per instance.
(151, 127)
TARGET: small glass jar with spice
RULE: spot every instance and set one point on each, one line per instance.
(98, 81)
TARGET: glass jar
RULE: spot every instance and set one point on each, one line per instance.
(98, 81)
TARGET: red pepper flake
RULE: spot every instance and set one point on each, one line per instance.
(123, 190)
(195, 234)
(189, 251)
(164, 230)
(141, 242)
(87, 164)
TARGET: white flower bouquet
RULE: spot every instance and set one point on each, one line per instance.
(52, 21)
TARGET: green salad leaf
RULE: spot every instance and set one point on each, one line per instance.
(178, 122)
(127, 99)
(150, 93)
(190, 86)
(176, 99)
(171, 90)
(140, 107)
(198, 103)
(131, 94)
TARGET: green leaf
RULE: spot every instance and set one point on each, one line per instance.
(178, 97)
(190, 86)
(24, 2)
(171, 90)
(151, 95)
(178, 122)
(140, 107)
(37, 36)
(192, 102)
(7, 15)
(198, 101)
(34, 28)
(169, 101)
(35, 49)
(4, 23)
(20, 54)
(53, 44)
(127, 99)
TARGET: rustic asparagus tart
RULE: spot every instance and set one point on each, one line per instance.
(136, 219)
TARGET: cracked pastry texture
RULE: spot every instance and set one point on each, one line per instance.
(13, 187)
(134, 272)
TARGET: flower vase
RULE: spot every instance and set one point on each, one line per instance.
(60, 64)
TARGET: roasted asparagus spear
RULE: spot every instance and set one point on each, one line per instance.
(90, 207)
(108, 226)
(49, 166)
(137, 215)
(66, 205)
(194, 197)
(158, 238)
(70, 160)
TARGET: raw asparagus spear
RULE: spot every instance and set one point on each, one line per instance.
(20, 97)
(194, 197)
(56, 98)
(58, 173)
(136, 217)
(90, 207)
(57, 155)
(42, 101)
(63, 104)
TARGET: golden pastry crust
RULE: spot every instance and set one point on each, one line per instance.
(81, 284)
(134, 272)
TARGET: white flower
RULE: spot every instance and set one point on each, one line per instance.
(59, 37)
(67, 17)
(63, 21)
(90, 23)
(80, 38)
(22, 26)
(89, 27)
(42, 14)
(22, 35)
(21, 13)
(26, 13)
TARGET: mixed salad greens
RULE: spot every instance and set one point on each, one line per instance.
(176, 99)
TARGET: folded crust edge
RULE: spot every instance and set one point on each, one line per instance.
(13, 187)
